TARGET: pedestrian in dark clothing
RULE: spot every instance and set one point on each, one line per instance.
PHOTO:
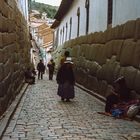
(66, 80)
(29, 77)
(41, 69)
(66, 54)
(120, 94)
(51, 66)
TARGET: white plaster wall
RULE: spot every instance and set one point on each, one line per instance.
(97, 18)
(73, 13)
(23, 5)
(124, 10)
(98, 15)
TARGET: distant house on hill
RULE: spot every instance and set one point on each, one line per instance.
(80, 17)
(43, 35)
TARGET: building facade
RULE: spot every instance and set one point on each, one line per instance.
(83, 17)
(23, 6)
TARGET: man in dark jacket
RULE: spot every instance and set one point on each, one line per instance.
(51, 66)
(41, 69)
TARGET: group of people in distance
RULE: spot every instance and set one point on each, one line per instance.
(30, 74)
(65, 76)
(118, 103)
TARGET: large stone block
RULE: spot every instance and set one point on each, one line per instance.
(1, 56)
(95, 50)
(10, 38)
(7, 68)
(116, 72)
(87, 52)
(127, 53)
(130, 75)
(100, 55)
(102, 87)
(5, 8)
(1, 90)
(11, 3)
(1, 72)
(75, 51)
(118, 32)
(1, 5)
(137, 82)
(137, 31)
(98, 38)
(92, 83)
(94, 68)
(117, 45)
(82, 49)
(108, 71)
(101, 73)
(1, 43)
(136, 56)
(1, 22)
(109, 34)
(109, 49)
(129, 29)
(4, 21)
(11, 26)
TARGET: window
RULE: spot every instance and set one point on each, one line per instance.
(57, 36)
(87, 15)
(70, 28)
(78, 15)
(60, 36)
(110, 9)
(63, 34)
(66, 31)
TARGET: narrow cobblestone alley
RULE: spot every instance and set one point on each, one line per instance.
(41, 115)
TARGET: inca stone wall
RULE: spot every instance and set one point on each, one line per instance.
(102, 57)
(14, 51)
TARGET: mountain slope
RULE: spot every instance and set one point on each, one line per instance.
(41, 7)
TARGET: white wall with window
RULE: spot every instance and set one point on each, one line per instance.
(102, 14)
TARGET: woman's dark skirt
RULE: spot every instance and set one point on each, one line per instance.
(66, 91)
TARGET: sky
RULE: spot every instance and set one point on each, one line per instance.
(50, 2)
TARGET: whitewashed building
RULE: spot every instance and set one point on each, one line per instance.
(23, 6)
(80, 17)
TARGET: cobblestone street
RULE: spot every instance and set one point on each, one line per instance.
(41, 115)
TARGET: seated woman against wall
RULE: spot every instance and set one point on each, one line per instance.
(119, 101)
(30, 76)
(120, 94)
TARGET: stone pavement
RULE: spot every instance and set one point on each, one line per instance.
(41, 115)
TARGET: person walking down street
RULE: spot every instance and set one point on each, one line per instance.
(66, 80)
(66, 54)
(51, 66)
(41, 69)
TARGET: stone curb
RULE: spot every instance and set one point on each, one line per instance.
(5, 119)
(101, 98)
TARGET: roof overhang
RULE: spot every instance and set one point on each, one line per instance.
(62, 11)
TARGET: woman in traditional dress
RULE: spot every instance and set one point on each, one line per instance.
(66, 80)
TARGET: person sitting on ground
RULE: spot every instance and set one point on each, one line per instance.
(120, 94)
(29, 78)
(119, 103)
